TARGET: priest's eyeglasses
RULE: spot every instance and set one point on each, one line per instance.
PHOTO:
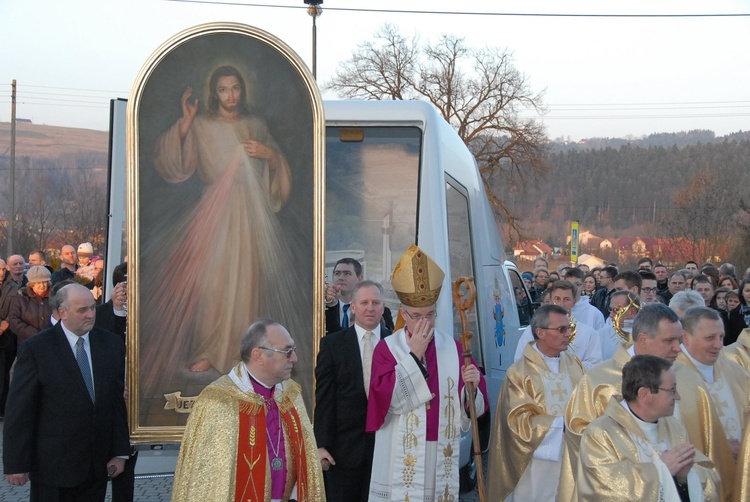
(672, 391)
(561, 329)
(417, 317)
(286, 352)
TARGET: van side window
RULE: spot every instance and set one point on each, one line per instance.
(459, 245)
(525, 308)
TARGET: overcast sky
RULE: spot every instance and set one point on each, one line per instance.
(603, 76)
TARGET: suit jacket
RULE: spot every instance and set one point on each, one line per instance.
(333, 319)
(341, 401)
(106, 319)
(52, 428)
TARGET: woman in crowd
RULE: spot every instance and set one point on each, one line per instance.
(589, 285)
(30, 312)
(732, 299)
(727, 281)
(719, 301)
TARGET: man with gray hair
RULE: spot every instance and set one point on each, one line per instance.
(248, 435)
(527, 435)
(677, 282)
(727, 382)
(657, 332)
(685, 300)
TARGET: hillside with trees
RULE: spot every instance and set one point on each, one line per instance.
(688, 185)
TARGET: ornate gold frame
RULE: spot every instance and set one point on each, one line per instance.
(163, 434)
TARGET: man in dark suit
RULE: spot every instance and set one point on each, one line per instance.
(342, 377)
(66, 423)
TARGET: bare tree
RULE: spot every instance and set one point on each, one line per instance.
(701, 219)
(478, 91)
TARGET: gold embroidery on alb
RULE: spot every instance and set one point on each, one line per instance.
(451, 431)
(448, 460)
(408, 472)
(410, 439)
(446, 496)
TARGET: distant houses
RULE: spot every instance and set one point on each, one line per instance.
(595, 250)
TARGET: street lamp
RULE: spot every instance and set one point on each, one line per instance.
(314, 10)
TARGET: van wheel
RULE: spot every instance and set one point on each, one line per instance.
(467, 476)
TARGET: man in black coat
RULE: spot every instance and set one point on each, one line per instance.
(342, 376)
(66, 424)
(112, 316)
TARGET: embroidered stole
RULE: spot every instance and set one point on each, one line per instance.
(411, 439)
(253, 479)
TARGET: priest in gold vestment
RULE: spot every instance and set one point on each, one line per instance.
(739, 351)
(249, 437)
(656, 331)
(527, 436)
(726, 381)
(637, 450)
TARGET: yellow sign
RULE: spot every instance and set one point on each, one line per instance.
(574, 242)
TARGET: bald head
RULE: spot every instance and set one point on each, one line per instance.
(16, 264)
(68, 256)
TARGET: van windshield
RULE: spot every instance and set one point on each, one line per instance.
(372, 176)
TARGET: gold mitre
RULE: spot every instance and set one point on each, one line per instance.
(417, 279)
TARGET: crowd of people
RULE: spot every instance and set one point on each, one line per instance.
(622, 387)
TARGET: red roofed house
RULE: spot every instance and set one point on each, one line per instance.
(531, 250)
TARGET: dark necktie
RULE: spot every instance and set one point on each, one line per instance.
(345, 321)
(83, 365)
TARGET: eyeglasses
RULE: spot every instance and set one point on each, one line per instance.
(287, 352)
(649, 290)
(417, 317)
(672, 391)
(561, 329)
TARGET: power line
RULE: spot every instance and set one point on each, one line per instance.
(72, 89)
(465, 13)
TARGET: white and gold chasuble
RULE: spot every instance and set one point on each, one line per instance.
(527, 433)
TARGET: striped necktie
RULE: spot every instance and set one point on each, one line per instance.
(83, 365)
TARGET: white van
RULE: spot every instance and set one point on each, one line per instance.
(397, 173)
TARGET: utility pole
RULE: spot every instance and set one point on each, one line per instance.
(314, 10)
(12, 186)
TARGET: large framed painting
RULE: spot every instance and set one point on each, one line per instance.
(225, 187)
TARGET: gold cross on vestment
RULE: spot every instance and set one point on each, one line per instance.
(559, 392)
(720, 405)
